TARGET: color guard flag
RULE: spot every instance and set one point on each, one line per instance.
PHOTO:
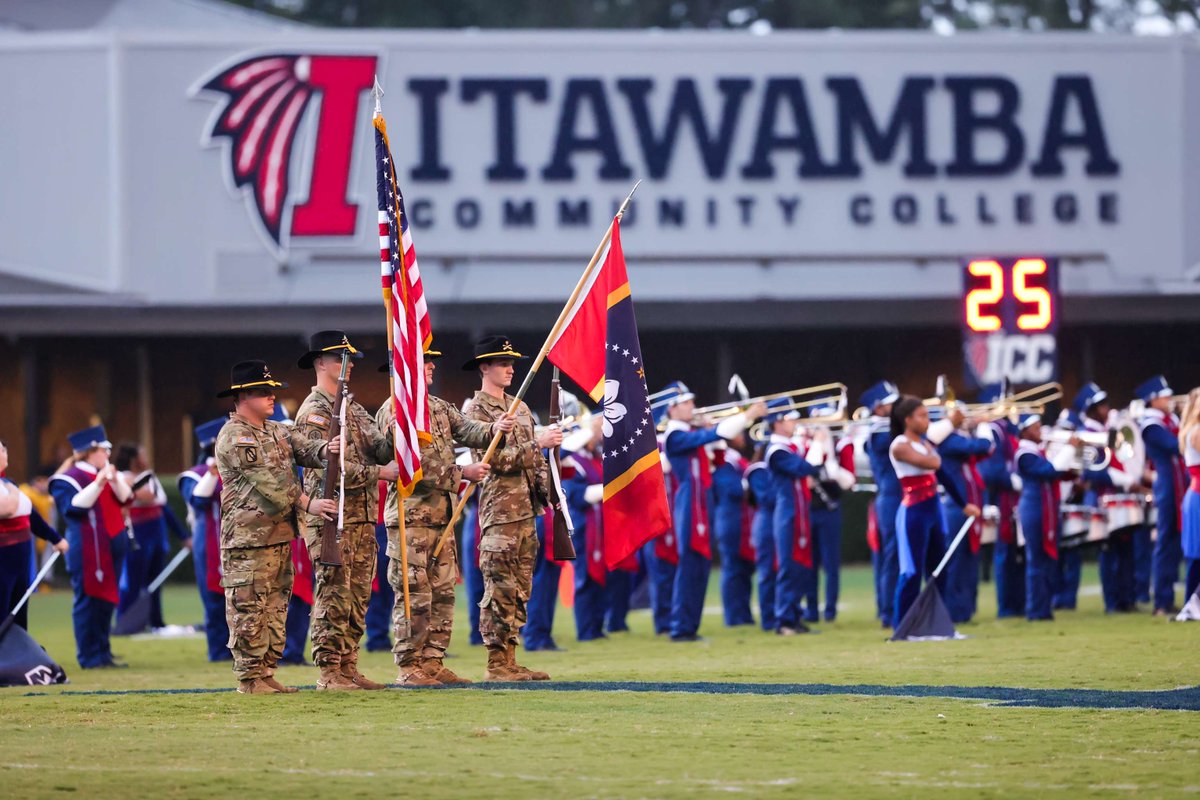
(409, 328)
(599, 350)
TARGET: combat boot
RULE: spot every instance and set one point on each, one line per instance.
(350, 671)
(332, 679)
(411, 674)
(534, 675)
(498, 667)
(256, 686)
(435, 669)
(269, 680)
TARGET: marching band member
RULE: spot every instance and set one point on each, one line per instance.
(879, 399)
(1038, 510)
(583, 482)
(383, 599)
(959, 451)
(149, 517)
(728, 513)
(201, 489)
(1002, 488)
(836, 476)
(1069, 566)
(661, 554)
(760, 494)
(1160, 435)
(1116, 555)
(538, 631)
(792, 521)
(472, 575)
(920, 537)
(90, 496)
(20, 521)
(1189, 447)
(684, 445)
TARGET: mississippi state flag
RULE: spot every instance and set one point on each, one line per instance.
(598, 349)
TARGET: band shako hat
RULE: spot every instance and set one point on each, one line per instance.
(1090, 395)
(491, 347)
(880, 394)
(324, 343)
(206, 432)
(1153, 389)
(252, 374)
(428, 355)
(86, 439)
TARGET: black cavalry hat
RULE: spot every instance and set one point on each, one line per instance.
(490, 347)
(324, 343)
(252, 374)
(429, 355)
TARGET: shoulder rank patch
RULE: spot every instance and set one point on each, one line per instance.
(247, 440)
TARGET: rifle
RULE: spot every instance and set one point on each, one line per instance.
(331, 530)
(563, 548)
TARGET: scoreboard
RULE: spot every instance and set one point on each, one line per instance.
(1010, 320)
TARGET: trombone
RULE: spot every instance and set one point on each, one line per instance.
(837, 422)
(798, 399)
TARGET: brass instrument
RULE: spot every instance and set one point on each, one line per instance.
(799, 398)
(1097, 450)
(838, 422)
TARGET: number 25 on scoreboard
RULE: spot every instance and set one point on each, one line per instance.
(1011, 295)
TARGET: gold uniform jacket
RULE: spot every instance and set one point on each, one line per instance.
(366, 448)
(519, 482)
(431, 501)
(258, 467)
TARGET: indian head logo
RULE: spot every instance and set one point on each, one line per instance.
(262, 101)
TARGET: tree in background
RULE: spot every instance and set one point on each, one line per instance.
(759, 16)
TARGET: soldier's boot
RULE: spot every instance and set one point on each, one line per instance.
(256, 686)
(412, 674)
(332, 679)
(350, 671)
(269, 680)
(498, 667)
(435, 669)
(534, 675)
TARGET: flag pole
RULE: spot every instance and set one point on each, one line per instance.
(537, 362)
(388, 300)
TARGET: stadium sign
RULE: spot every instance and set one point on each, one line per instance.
(554, 150)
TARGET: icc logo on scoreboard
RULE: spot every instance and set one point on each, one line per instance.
(1010, 320)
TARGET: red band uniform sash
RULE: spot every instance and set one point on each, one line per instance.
(974, 483)
(802, 545)
(700, 541)
(664, 546)
(1051, 500)
(1178, 476)
(100, 524)
(212, 540)
(1194, 471)
(302, 582)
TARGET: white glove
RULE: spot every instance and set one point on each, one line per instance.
(88, 495)
(731, 426)
(593, 494)
(939, 431)
(1017, 483)
(206, 485)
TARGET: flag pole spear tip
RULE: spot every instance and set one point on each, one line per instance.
(377, 93)
(628, 199)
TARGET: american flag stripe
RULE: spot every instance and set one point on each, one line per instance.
(409, 322)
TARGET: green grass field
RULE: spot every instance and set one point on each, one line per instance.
(498, 743)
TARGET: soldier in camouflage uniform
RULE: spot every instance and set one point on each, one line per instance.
(257, 461)
(421, 641)
(512, 496)
(341, 594)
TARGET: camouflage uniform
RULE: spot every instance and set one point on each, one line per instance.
(426, 512)
(341, 594)
(509, 500)
(258, 523)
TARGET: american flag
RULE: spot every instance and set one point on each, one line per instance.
(409, 329)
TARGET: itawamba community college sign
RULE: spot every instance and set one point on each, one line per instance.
(746, 149)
